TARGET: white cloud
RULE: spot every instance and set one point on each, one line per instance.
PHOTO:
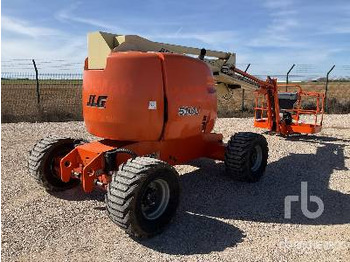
(68, 15)
(342, 27)
(278, 62)
(283, 20)
(31, 48)
(73, 51)
(276, 4)
(22, 27)
(23, 40)
(213, 38)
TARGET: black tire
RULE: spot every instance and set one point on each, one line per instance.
(246, 156)
(41, 162)
(128, 196)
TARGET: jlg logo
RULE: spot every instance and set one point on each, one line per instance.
(100, 102)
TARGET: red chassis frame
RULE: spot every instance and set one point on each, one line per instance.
(86, 162)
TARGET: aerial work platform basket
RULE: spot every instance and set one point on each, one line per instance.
(299, 111)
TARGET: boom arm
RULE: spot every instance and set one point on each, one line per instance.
(100, 44)
(226, 75)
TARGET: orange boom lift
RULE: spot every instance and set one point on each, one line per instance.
(154, 110)
(283, 112)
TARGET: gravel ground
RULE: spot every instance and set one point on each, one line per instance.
(218, 219)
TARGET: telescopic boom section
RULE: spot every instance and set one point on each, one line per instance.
(268, 84)
(269, 90)
(101, 44)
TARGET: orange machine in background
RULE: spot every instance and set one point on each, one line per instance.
(284, 112)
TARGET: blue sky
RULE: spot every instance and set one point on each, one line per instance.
(269, 34)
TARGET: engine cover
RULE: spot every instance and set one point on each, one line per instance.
(149, 96)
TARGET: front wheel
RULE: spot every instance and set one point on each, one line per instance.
(143, 196)
(246, 156)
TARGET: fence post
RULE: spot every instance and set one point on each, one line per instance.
(325, 94)
(37, 81)
(242, 105)
(288, 75)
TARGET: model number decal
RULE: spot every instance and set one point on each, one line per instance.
(188, 111)
(100, 102)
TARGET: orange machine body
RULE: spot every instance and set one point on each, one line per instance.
(158, 104)
(149, 97)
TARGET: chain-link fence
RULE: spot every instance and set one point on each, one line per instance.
(28, 96)
(338, 99)
(50, 97)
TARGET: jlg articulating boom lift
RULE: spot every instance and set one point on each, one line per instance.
(152, 110)
(270, 102)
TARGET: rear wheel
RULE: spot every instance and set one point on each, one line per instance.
(246, 156)
(43, 162)
(143, 196)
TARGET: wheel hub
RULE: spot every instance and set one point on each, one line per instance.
(256, 158)
(155, 199)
